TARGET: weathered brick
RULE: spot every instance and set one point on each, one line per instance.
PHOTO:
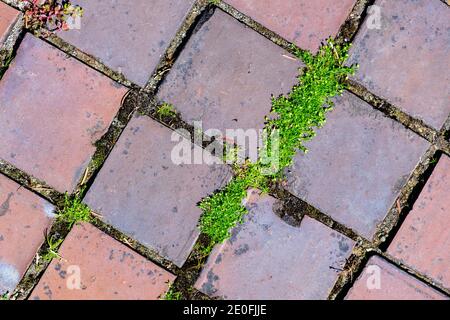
(52, 109)
(142, 192)
(356, 165)
(406, 60)
(8, 16)
(268, 259)
(24, 217)
(423, 240)
(226, 74)
(305, 23)
(381, 280)
(94, 266)
(128, 36)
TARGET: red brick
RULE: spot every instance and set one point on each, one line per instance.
(305, 23)
(394, 284)
(356, 165)
(128, 36)
(423, 240)
(52, 110)
(268, 259)
(144, 194)
(108, 271)
(8, 16)
(24, 217)
(406, 60)
(226, 74)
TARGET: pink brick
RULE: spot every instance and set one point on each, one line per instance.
(24, 217)
(268, 259)
(108, 270)
(423, 241)
(392, 284)
(305, 23)
(52, 111)
(142, 192)
(406, 60)
(356, 165)
(226, 75)
(128, 36)
(8, 16)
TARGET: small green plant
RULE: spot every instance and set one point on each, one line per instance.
(216, 2)
(50, 14)
(172, 294)
(166, 110)
(4, 296)
(74, 211)
(52, 248)
(295, 118)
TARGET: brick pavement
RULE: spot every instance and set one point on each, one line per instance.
(368, 183)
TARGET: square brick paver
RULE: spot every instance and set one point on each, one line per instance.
(52, 110)
(24, 217)
(128, 36)
(8, 16)
(423, 241)
(226, 75)
(381, 280)
(303, 22)
(356, 165)
(144, 194)
(406, 61)
(268, 259)
(94, 266)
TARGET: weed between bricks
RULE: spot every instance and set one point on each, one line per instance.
(311, 94)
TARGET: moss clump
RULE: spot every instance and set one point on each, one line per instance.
(295, 118)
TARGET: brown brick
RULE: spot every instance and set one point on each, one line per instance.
(107, 270)
(226, 75)
(268, 259)
(52, 111)
(24, 217)
(356, 165)
(305, 23)
(405, 61)
(144, 194)
(128, 36)
(381, 280)
(423, 240)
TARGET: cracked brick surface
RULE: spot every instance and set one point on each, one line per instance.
(423, 240)
(268, 259)
(128, 36)
(24, 218)
(52, 111)
(381, 280)
(227, 81)
(8, 16)
(305, 23)
(356, 165)
(404, 60)
(93, 266)
(147, 196)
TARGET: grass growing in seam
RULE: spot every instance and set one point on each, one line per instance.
(296, 116)
(74, 211)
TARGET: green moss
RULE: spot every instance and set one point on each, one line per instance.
(297, 115)
(74, 211)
